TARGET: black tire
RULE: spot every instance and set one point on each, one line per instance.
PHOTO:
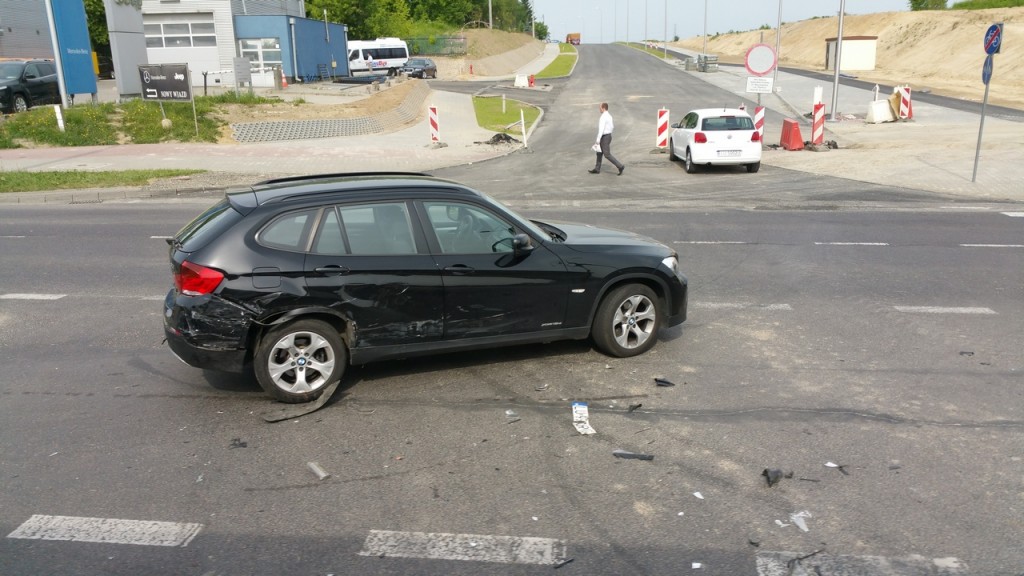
(294, 362)
(627, 321)
(690, 166)
(20, 103)
(672, 151)
(753, 167)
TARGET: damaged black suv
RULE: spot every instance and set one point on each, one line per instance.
(297, 278)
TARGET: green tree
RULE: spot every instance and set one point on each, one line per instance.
(453, 12)
(927, 4)
(352, 13)
(542, 30)
(96, 21)
(389, 18)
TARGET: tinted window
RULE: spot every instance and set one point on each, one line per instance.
(288, 232)
(372, 229)
(466, 229)
(207, 226)
(728, 123)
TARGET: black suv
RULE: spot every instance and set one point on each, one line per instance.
(296, 278)
(25, 83)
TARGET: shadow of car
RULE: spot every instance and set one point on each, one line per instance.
(420, 68)
(27, 83)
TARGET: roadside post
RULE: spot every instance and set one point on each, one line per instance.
(435, 132)
(993, 42)
(662, 140)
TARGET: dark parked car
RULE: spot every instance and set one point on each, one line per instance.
(420, 68)
(298, 277)
(26, 83)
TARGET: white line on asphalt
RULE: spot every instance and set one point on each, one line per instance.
(438, 546)
(782, 564)
(993, 245)
(11, 236)
(943, 310)
(1014, 214)
(708, 242)
(160, 237)
(106, 530)
(851, 243)
(739, 306)
(31, 296)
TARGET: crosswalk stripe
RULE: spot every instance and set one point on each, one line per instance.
(480, 548)
(106, 530)
(792, 563)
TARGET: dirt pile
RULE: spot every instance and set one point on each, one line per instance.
(937, 50)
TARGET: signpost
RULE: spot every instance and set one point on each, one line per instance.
(760, 61)
(168, 83)
(993, 42)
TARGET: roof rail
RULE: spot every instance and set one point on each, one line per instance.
(287, 179)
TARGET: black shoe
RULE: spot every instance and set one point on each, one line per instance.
(594, 171)
(621, 170)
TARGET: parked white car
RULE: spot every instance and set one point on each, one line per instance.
(716, 136)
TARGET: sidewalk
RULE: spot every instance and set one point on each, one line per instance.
(934, 151)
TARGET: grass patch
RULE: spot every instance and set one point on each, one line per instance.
(22, 181)
(83, 126)
(565, 48)
(490, 117)
(651, 51)
(986, 4)
(561, 66)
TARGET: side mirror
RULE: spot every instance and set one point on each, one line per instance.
(522, 243)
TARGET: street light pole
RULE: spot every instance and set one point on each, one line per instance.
(839, 56)
(778, 44)
(705, 27)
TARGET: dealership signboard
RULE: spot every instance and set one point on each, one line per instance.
(165, 82)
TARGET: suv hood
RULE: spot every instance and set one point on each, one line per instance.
(584, 237)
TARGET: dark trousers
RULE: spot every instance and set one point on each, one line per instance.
(606, 151)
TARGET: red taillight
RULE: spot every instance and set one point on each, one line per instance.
(700, 138)
(195, 280)
(755, 137)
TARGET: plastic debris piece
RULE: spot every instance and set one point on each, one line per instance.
(663, 382)
(534, 518)
(798, 518)
(695, 565)
(563, 563)
(631, 455)
(772, 475)
(633, 407)
(698, 495)
(321, 474)
(237, 443)
(755, 542)
(840, 467)
(511, 414)
(541, 387)
(781, 523)
(581, 418)
(809, 479)
(681, 514)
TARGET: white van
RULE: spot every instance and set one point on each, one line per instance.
(382, 54)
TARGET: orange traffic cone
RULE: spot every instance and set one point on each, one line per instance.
(284, 81)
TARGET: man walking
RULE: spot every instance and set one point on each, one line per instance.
(605, 126)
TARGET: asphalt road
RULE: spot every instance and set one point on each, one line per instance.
(830, 321)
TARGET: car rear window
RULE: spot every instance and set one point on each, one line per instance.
(207, 226)
(728, 123)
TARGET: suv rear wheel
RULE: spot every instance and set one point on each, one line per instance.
(20, 104)
(296, 361)
(627, 321)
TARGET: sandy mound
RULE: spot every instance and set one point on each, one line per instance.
(936, 50)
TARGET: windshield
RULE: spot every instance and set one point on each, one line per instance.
(10, 70)
(417, 62)
(524, 222)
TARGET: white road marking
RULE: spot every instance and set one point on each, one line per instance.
(32, 296)
(707, 242)
(106, 530)
(1014, 214)
(439, 546)
(944, 310)
(160, 237)
(993, 245)
(851, 243)
(777, 564)
(11, 236)
(740, 306)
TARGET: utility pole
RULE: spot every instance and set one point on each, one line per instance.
(778, 44)
(839, 56)
(490, 15)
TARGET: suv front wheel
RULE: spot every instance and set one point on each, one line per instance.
(296, 361)
(627, 322)
(20, 104)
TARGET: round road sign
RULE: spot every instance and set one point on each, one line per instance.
(993, 39)
(986, 70)
(760, 59)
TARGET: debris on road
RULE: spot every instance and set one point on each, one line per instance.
(238, 443)
(774, 475)
(840, 467)
(631, 455)
(699, 495)
(663, 382)
(295, 410)
(563, 563)
(798, 518)
(511, 416)
(633, 407)
(581, 418)
(321, 474)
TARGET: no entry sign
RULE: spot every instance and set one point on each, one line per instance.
(760, 59)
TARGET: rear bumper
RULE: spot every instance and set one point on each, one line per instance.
(193, 340)
(746, 156)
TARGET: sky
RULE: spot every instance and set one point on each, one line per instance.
(603, 21)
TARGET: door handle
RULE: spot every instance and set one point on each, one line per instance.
(459, 269)
(331, 270)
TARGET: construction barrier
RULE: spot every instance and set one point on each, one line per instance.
(791, 139)
(662, 140)
(818, 128)
(435, 132)
(906, 105)
(759, 121)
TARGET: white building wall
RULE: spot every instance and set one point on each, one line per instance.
(24, 31)
(857, 54)
(199, 58)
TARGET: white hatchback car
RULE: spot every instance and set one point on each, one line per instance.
(716, 136)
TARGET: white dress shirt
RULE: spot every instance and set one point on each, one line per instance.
(604, 125)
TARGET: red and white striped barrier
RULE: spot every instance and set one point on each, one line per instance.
(435, 132)
(906, 104)
(662, 140)
(818, 128)
(759, 121)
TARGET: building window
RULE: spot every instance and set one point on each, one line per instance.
(169, 31)
(262, 52)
